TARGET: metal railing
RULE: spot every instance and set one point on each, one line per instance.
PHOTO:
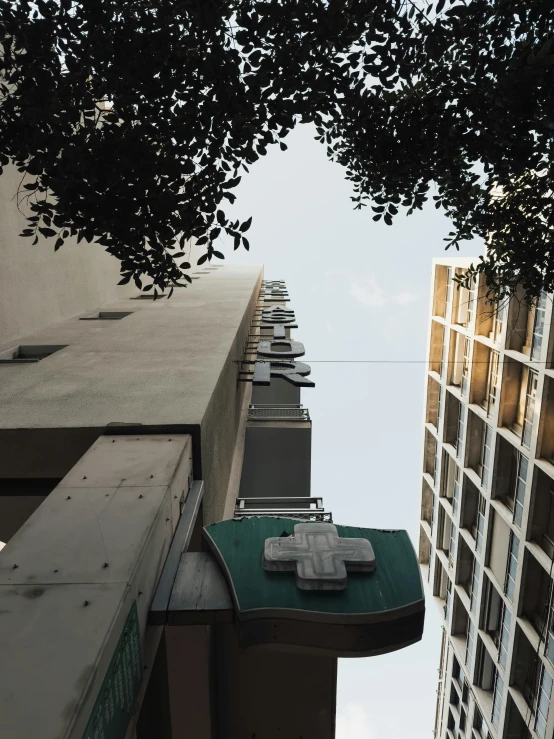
(278, 412)
(308, 509)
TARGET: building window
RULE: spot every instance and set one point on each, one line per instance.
(444, 354)
(543, 702)
(448, 603)
(519, 496)
(481, 523)
(511, 569)
(529, 413)
(440, 400)
(538, 328)
(499, 322)
(452, 545)
(449, 289)
(464, 384)
(497, 699)
(504, 636)
(460, 430)
(549, 649)
(486, 456)
(480, 727)
(471, 301)
(492, 382)
(470, 641)
(436, 464)
(430, 563)
(475, 574)
(457, 488)
(29, 354)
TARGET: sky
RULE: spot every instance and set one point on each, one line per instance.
(360, 291)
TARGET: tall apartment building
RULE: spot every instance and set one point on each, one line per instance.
(487, 509)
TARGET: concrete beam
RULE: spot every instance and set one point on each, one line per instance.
(73, 573)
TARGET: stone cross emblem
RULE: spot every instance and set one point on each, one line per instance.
(318, 555)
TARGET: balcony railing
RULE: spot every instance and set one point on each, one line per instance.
(278, 413)
(307, 509)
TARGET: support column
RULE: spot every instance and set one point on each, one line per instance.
(76, 583)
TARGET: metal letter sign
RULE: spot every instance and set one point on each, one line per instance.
(318, 555)
(276, 355)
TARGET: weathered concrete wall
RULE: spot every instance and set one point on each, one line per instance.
(39, 286)
(169, 363)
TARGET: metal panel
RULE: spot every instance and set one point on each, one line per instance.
(200, 594)
(180, 543)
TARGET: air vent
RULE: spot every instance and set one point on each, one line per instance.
(107, 316)
(29, 353)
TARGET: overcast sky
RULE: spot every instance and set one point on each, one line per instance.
(360, 290)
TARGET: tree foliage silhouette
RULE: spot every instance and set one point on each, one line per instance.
(132, 122)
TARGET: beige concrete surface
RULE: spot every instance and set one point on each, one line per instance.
(39, 286)
(171, 362)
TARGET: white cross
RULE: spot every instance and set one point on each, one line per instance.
(319, 556)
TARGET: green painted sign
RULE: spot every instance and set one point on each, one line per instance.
(376, 612)
(118, 694)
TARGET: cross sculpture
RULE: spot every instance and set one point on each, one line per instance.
(319, 556)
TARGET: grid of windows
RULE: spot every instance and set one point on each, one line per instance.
(510, 584)
(510, 396)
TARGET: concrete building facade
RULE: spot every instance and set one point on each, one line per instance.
(165, 570)
(487, 508)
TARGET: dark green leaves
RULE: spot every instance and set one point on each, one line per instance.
(137, 143)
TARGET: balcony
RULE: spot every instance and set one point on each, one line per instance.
(430, 460)
(525, 668)
(432, 411)
(546, 442)
(510, 479)
(485, 378)
(519, 395)
(536, 590)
